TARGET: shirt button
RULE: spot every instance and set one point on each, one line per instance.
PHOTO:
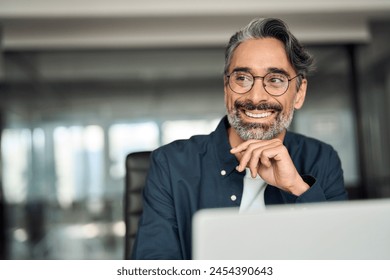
(223, 172)
(233, 197)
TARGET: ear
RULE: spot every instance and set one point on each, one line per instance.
(300, 96)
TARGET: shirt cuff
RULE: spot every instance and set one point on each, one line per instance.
(314, 194)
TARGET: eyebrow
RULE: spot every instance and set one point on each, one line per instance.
(278, 71)
(269, 70)
(242, 69)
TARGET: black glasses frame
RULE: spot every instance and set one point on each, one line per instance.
(264, 86)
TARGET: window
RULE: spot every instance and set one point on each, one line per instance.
(184, 129)
(127, 138)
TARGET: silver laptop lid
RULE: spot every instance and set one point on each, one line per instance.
(337, 230)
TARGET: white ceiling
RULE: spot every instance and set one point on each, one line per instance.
(82, 24)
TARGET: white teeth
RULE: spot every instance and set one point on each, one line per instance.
(262, 115)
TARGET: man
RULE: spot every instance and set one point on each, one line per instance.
(250, 160)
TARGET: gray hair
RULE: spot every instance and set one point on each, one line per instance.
(300, 59)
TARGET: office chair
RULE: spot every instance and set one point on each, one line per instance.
(137, 165)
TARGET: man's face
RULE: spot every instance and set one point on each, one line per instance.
(256, 114)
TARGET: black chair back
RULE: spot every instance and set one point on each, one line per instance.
(137, 165)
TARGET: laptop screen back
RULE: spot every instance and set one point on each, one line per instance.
(338, 230)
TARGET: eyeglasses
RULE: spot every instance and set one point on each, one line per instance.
(275, 84)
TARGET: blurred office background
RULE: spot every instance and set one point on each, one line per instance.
(84, 83)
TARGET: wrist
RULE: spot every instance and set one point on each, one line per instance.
(299, 187)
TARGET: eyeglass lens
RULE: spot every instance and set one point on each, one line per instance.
(273, 83)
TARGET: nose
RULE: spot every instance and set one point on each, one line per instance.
(258, 93)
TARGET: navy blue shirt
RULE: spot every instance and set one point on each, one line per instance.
(188, 175)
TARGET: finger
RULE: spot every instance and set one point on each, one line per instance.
(253, 152)
(275, 153)
(253, 143)
(254, 162)
(267, 156)
(250, 156)
(243, 146)
(245, 151)
(265, 161)
(259, 155)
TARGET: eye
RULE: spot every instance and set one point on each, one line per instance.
(275, 79)
(242, 78)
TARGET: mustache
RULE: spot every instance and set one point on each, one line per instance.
(249, 105)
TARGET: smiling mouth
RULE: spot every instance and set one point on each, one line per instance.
(258, 115)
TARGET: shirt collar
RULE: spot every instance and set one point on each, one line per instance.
(291, 143)
(228, 161)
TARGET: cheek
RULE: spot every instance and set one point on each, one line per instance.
(231, 97)
(288, 102)
(228, 99)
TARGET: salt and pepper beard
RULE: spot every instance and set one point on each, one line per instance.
(259, 131)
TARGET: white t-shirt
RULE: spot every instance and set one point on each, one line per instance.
(253, 195)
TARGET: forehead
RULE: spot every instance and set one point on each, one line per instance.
(260, 55)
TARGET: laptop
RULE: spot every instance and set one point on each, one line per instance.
(349, 230)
